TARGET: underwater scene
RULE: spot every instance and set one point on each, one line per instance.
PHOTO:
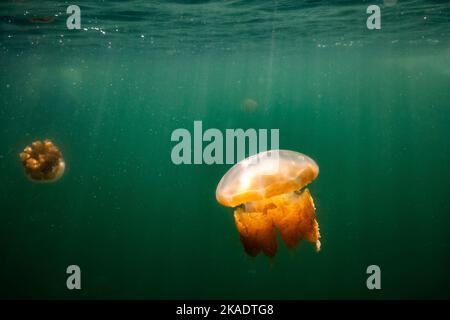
(140, 149)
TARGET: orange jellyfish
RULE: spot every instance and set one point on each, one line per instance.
(269, 192)
(42, 161)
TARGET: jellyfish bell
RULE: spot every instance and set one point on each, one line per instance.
(42, 161)
(264, 175)
(268, 192)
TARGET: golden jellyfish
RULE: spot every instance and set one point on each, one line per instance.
(42, 161)
(268, 191)
(249, 105)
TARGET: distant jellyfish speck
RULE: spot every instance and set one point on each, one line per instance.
(268, 191)
(390, 3)
(47, 19)
(249, 105)
(43, 162)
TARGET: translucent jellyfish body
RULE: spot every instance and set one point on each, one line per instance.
(42, 161)
(268, 191)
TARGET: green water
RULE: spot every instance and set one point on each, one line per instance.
(370, 107)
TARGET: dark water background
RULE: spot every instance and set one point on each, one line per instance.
(371, 107)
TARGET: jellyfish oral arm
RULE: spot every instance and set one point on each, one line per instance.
(291, 214)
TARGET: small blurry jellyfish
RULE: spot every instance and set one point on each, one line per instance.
(42, 161)
(249, 105)
(268, 191)
(390, 3)
(47, 19)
